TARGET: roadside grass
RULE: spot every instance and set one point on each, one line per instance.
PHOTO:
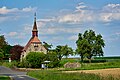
(60, 75)
(4, 78)
(9, 64)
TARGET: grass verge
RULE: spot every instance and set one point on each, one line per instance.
(4, 78)
(59, 75)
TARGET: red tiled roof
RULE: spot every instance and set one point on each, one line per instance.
(32, 40)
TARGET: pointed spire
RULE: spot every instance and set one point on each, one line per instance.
(35, 31)
(35, 17)
(35, 25)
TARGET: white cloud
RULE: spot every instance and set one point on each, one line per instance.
(75, 18)
(114, 8)
(108, 17)
(80, 15)
(57, 30)
(84, 14)
(14, 13)
(15, 35)
(46, 20)
(28, 9)
(5, 10)
(110, 12)
(80, 6)
(74, 37)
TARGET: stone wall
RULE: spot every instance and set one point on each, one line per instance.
(72, 65)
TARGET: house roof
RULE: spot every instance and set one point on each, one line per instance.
(32, 40)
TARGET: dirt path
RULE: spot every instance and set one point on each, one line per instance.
(103, 72)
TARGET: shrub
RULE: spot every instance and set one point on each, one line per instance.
(52, 57)
(24, 64)
(35, 59)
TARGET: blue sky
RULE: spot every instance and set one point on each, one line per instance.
(60, 21)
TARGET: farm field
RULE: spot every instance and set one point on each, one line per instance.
(114, 72)
(109, 70)
(74, 75)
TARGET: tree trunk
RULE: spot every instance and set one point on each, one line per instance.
(81, 59)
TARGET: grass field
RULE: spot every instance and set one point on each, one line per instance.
(4, 78)
(59, 75)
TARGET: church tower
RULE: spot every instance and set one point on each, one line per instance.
(35, 31)
(34, 44)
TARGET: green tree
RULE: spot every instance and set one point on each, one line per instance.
(63, 51)
(6, 50)
(47, 46)
(83, 46)
(89, 44)
(35, 59)
(52, 57)
(2, 41)
(1, 54)
(5, 47)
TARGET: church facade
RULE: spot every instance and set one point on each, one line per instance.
(34, 44)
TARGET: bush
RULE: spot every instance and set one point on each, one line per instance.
(52, 57)
(24, 64)
(10, 64)
(35, 59)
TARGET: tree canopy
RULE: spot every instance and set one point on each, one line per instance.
(5, 47)
(35, 59)
(89, 44)
(63, 51)
(16, 52)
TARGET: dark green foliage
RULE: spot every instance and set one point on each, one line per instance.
(2, 41)
(5, 47)
(35, 59)
(47, 46)
(4, 78)
(1, 54)
(63, 51)
(117, 57)
(52, 57)
(24, 64)
(95, 61)
(89, 44)
(6, 50)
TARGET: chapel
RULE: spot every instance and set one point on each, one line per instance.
(34, 44)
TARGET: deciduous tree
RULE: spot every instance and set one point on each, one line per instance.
(89, 44)
(63, 51)
(16, 52)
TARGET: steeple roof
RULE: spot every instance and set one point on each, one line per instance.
(35, 25)
(34, 38)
